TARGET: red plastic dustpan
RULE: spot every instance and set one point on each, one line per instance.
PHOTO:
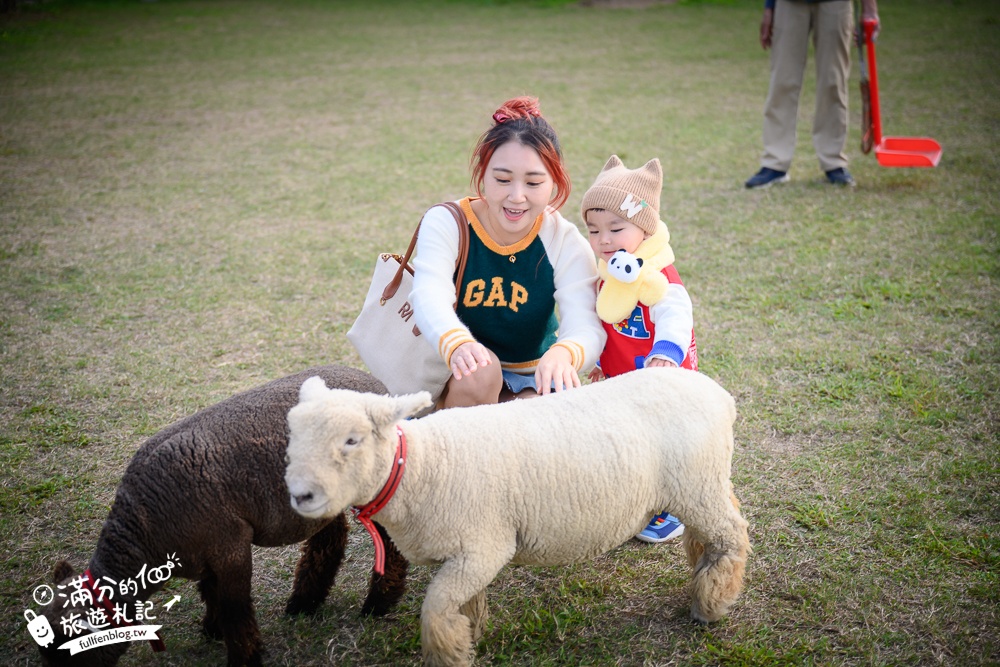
(895, 151)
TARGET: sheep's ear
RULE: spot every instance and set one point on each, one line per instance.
(312, 389)
(62, 570)
(391, 409)
(411, 404)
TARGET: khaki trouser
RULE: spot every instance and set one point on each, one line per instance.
(832, 28)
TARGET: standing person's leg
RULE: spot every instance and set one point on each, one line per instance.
(789, 51)
(833, 32)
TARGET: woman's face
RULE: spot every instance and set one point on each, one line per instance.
(516, 189)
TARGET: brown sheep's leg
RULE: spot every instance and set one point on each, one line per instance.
(210, 596)
(236, 618)
(321, 557)
(385, 591)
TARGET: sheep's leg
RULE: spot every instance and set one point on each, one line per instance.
(385, 591)
(717, 552)
(208, 587)
(236, 618)
(446, 633)
(318, 566)
(477, 612)
(692, 546)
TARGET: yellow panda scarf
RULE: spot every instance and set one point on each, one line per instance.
(617, 300)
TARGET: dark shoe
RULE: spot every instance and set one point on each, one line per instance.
(766, 177)
(841, 177)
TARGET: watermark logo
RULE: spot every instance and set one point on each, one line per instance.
(134, 633)
(42, 594)
(94, 618)
(39, 628)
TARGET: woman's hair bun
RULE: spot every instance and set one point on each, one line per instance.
(517, 108)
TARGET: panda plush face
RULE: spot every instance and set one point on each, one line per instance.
(624, 266)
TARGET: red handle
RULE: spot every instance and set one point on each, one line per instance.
(869, 26)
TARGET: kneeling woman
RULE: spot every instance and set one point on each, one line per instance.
(526, 263)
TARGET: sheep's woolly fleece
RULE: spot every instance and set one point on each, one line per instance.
(546, 481)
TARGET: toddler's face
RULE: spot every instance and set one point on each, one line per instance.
(608, 234)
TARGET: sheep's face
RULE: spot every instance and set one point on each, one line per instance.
(340, 446)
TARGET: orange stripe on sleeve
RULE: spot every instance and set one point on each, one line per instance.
(575, 351)
(451, 341)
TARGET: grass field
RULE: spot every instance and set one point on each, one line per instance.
(192, 194)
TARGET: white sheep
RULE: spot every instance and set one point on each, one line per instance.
(548, 481)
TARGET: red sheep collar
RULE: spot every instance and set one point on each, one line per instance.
(364, 513)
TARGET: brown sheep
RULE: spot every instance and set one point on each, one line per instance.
(203, 490)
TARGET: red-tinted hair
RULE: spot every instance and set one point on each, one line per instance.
(520, 120)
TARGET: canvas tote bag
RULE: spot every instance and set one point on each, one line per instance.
(385, 334)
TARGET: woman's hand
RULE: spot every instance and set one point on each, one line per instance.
(556, 367)
(469, 357)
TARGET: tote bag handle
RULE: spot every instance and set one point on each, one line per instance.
(463, 253)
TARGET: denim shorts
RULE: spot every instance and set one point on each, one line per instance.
(517, 383)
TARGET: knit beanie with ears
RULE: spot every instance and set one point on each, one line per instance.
(631, 194)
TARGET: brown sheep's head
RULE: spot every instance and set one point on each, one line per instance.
(71, 618)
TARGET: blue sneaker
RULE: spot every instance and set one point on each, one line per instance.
(766, 177)
(841, 177)
(662, 528)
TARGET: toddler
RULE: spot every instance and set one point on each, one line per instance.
(641, 300)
